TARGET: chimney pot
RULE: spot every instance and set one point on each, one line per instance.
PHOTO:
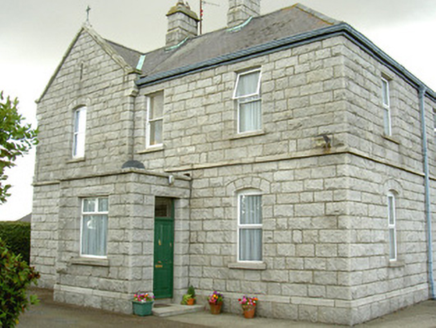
(182, 23)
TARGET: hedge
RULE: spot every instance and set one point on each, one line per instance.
(15, 277)
(16, 235)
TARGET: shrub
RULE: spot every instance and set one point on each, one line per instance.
(15, 277)
(16, 235)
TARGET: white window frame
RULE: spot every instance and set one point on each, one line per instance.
(248, 226)
(79, 132)
(154, 119)
(434, 121)
(386, 101)
(96, 212)
(253, 97)
(392, 227)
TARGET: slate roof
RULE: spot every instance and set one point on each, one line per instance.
(130, 56)
(281, 29)
(277, 25)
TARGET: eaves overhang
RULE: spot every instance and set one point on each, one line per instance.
(342, 29)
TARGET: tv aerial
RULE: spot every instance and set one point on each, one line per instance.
(202, 3)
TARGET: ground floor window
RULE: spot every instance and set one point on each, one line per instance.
(392, 228)
(249, 227)
(94, 226)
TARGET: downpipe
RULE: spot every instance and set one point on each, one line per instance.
(422, 91)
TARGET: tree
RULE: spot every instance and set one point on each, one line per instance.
(16, 139)
(15, 277)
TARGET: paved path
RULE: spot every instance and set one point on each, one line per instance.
(50, 314)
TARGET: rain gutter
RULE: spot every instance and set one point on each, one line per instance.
(422, 91)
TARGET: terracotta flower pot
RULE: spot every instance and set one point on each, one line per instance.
(215, 308)
(249, 311)
(191, 301)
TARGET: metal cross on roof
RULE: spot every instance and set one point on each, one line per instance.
(87, 15)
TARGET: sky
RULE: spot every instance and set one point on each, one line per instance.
(34, 36)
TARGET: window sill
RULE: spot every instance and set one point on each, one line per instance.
(76, 160)
(151, 150)
(392, 139)
(396, 264)
(90, 261)
(247, 135)
(248, 266)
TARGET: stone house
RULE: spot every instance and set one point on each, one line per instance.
(284, 156)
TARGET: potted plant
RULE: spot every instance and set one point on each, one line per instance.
(187, 300)
(189, 297)
(142, 303)
(215, 302)
(248, 306)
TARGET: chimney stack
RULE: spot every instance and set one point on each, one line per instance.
(182, 23)
(241, 10)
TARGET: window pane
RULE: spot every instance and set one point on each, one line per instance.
(80, 120)
(103, 205)
(163, 207)
(79, 145)
(247, 84)
(79, 132)
(250, 209)
(156, 104)
(250, 244)
(156, 132)
(391, 210)
(387, 121)
(250, 116)
(392, 245)
(385, 92)
(89, 205)
(434, 121)
(94, 235)
(77, 116)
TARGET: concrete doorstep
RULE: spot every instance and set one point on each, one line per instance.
(167, 310)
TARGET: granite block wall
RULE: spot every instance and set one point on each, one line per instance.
(325, 233)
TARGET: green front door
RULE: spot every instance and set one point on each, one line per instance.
(163, 248)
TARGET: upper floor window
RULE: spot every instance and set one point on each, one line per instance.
(392, 227)
(79, 132)
(247, 96)
(94, 227)
(434, 121)
(154, 119)
(249, 227)
(386, 107)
